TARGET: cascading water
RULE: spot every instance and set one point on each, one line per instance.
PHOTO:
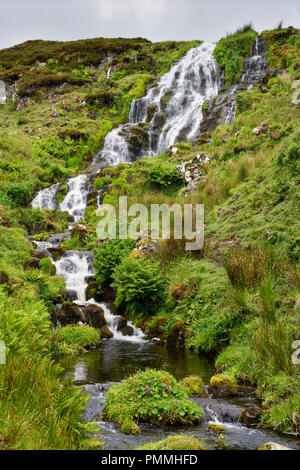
(191, 82)
(254, 69)
(45, 199)
(76, 199)
(176, 103)
(2, 92)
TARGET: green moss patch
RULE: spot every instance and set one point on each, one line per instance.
(150, 396)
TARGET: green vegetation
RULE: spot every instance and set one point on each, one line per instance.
(231, 51)
(178, 442)
(140, 287)
(194, 385)
(150, 396)
(238, 298)
(74, 339)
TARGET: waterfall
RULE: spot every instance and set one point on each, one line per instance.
(2, 92)
(76, 199)
(255, 67)
(172, 110)
(74, 202)
(76, 267)
(45, 199)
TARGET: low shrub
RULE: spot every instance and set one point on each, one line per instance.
(150, 396)
(141, 288)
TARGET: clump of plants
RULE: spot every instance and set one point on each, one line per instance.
(193, 384)
(150, 396)
(140, 287)
(178, 442)
(73, 339)
(231, 51)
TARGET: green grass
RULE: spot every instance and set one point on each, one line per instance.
(178, 442)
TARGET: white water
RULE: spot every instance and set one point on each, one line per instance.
(254, 69)
(74, 267)
(45, 199)
(75, 201)
(189, 83)
(2, 92)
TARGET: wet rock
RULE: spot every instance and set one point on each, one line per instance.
(81, 231)
(192, 172)
(147, 247)
(176, 337)
(56, 252)
(273, 446)
(263, 129)
(223, 385)
(91, 291)
(94, 315)
(71, 295)
(70, 313)
(106, 333)
(109, 294)
(122, 323)
(127, 330)
(251, 415)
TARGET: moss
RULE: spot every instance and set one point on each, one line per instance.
(216, 428)
(178, 442)
(150, 396)
(193, 384)
(231, 51)
(77, 338)
(224, 381)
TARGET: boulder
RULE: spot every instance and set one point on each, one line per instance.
(127, 330)
(251, 415)
(81, 231)
(56, 252)
(106, 333)
(273, 446)
(193, 384)
(94, 315)
(122, 323)
(261, 129)
(70, 313)
(71, 295)
(176, 337)
(223, 385)
(91, 290)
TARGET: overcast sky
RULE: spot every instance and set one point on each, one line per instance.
(157, 20)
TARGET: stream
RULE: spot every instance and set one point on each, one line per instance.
(190, 82)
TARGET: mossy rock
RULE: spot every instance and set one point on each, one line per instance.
(222, 385)
(216, 428)
(178, 442)
(61, 192)
(70, 313)
(106, 333)
(91, 290)
(193, 384)
(150, 396)
(151, 110)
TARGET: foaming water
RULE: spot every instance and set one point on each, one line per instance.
(45, 199)
(177, 100)
(76, 199)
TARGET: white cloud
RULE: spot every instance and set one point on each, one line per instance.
(145, 11)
